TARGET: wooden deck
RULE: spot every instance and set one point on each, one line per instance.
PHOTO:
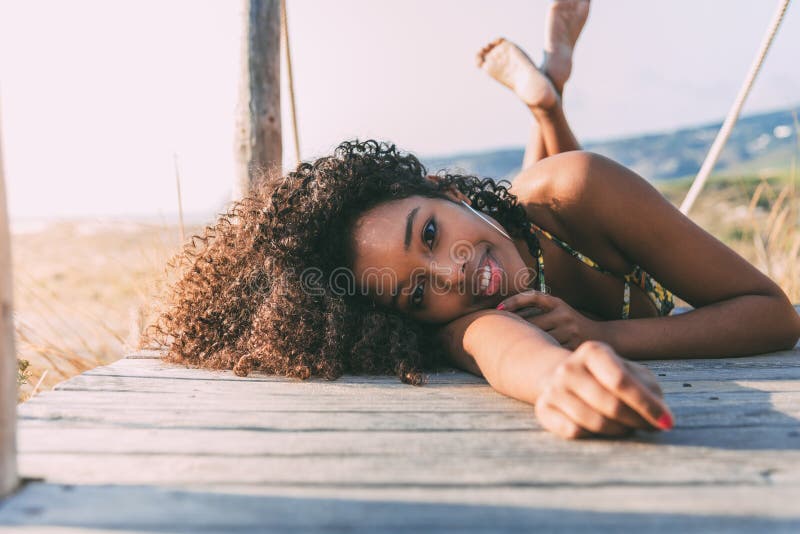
(141, 446)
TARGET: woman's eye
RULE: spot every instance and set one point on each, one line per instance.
(429, 233)
(417, 295)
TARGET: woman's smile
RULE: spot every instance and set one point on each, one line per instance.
(488, 276)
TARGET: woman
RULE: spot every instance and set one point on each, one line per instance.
(362, 263)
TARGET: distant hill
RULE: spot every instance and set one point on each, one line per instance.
(764, 141)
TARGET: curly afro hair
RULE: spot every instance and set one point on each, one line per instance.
(249, 295)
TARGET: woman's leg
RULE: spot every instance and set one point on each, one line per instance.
(535, 150)
(508, 64)
(554, 131)
(565, 20)
(550, 132)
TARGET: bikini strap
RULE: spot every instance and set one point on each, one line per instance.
(535, 248)
(660, 296)
(626, 301)
(534, 229)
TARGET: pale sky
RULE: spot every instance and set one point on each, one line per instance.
(97, 95)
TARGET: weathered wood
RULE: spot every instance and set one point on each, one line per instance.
(413, 469)
(8, 357)
(259, 114)
(191, 449)
(54, 508)
(726, 410)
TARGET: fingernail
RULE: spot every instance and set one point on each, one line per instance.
(501, 306)
(665, 421)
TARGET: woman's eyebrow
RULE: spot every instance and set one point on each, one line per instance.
(409, 230)
(410, 225)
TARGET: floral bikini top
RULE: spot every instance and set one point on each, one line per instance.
(661, 297)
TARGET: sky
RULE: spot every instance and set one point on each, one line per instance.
(98, 97)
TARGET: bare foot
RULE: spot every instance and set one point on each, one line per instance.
(565, 21)
(506, 63)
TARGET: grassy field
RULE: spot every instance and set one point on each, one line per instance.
(82, 288)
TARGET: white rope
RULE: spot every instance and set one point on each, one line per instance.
(733, 114)
(285, 35)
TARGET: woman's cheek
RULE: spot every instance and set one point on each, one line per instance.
(453, 306)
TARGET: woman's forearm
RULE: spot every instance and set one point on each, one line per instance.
(512, 355)
(749, 324)
(589, 391)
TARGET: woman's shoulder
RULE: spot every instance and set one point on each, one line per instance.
(556, 191)
(561, 180)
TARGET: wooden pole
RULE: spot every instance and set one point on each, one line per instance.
(259, 115)
(8, 357)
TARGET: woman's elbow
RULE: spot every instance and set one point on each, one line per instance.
(789, 330)
(794, 335)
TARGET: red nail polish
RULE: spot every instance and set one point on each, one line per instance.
(665, 422)
(501, 306)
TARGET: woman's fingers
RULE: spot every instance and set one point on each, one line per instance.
(528, 312)
(646, 376)
(557, 422)
(588, 417)
(585, 387)
(545, 321)
(540, 300)
(611, 372)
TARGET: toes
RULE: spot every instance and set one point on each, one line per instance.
(488, 48)
(480, 58)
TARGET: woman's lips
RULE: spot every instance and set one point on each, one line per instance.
(489, 276)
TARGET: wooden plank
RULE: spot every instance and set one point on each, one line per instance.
(386, 459)
(153, 509)
(321, 456)
(390, 388)
(783, 365)
(685, 444)
(693, 410)
(471, 399)
(726, 410)
(392, 472)
(259, 123)
(8, 356)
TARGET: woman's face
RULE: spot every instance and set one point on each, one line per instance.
(434, 259)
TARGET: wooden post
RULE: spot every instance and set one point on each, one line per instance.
(8, 357)
(259, 114)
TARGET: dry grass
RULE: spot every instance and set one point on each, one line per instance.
(80, 291)
(758, 217)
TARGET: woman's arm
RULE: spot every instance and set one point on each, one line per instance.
(588, 391)
(511, 354)
(738, 310)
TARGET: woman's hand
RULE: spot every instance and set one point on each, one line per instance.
(568, 326)
(595, 392)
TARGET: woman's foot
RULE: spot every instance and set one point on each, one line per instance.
(565, 21)
(507, 63)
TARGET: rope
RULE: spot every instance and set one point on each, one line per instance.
(285, 35)
(733, 114)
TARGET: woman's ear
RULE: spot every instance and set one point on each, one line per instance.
(451, 191)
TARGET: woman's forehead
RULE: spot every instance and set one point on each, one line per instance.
(382, 230)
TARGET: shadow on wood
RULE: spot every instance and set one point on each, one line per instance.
(148, 509)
